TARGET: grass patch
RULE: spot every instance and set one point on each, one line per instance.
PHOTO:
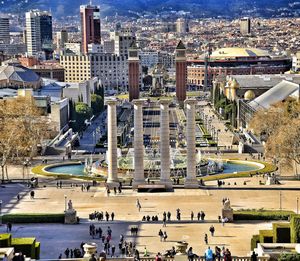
(261, 214)
(266, 169)
(33, 218)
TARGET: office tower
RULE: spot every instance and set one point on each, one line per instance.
(38, 32)
(4, 30)
(90, 26)
(133, 72)
(181, 26)
(245, 26)
(180, 58)
(61, 39)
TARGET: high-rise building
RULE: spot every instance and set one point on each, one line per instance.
(38, 32)
(133, 72)
(90, 26)
(122, 40)
(4, 30)
(181, 71)
(61, 39)
(182, 26)
(245, 26)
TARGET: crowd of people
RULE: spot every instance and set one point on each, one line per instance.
(100, 216)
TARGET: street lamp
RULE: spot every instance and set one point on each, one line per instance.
(65, 203)
(297, 205)
(218, 139)
(1, 212)
(280, 200)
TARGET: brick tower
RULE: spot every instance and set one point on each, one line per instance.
(133, 72)
(180, 59)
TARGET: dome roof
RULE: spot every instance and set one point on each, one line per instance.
(249, 95)
(18, 74)
(233, 52)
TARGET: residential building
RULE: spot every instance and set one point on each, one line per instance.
(74, 48)
(245, 26)
(122, 41)
(296, 62)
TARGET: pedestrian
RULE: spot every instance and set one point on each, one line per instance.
(169, 216)
(206, 239)
(113, 250)
(158, 257)
(164, 221)
(67, 252)
(92, 258)
(161, 235)
(254, 256)
(5, 258)
(209, 254)
(60, 184)
(32, 194)
(8, 227)
(112, 216)
(212, 230)
(115, 190)
(107, 192)
(146, 252)
(198, 216)
(202, 215)
(227, 256)
(218, 253)
(192, 216)
(18, 197)
(71, 253)
(165, 236)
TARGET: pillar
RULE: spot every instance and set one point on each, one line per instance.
(190, 180)
(112, 177)
(139, 177)
(165, 144)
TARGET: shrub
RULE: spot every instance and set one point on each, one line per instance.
(33, 218)
(254, 214)
(254, 241)
(266, 236)
(295, 229)
(5, 240)
(281, 233)
(37, 250)
(289, 257)
(24, 245)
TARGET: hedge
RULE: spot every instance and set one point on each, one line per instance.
(295, 228)
(5, 240)
(24, 245)
(253, 214)
(289, 257)
(266, 236)
(33, 218)
(254, 241)
(37, 250)
(277, 235)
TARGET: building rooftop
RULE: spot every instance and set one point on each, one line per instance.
(278, 93)
(18, 74)
(233, 52)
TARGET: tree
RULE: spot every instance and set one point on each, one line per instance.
(279, 126)
(83, 112)
(97, 103)
(22, 130)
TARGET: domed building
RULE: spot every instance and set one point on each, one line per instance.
(235, 61)
(18, 77)
(249, 95)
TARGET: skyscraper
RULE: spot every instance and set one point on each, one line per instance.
(61, 39)
(4, 30)
(181, 72)
(38, 32)
(182, 26)
(245, 26)
(90, 26)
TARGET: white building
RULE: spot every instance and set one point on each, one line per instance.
(122, 41)
(181, 26)
(61, 39)
(245, 26)
(148, 58)
(296, 62)
(73, 47)
(4, 30)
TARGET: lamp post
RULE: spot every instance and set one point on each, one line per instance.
(280, 200)
(65, 203)
(1, 212)
(297, 205)
(218, 139)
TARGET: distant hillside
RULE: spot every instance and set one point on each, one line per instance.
(211, 8)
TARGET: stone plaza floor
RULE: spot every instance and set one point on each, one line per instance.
(55, 238)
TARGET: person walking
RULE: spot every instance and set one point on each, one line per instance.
(8, 227)
(165, 236)
(254, 256)
(192, 215)
(112, 216)
(198, 216)
(67, 252)
(206, 239)
(227, 255)
(212, 230)
(161, 235)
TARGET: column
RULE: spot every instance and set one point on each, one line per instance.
(112, 157)
(165, 144)
(190, 180)
(139, 177)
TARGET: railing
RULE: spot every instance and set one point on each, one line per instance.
(234, 258)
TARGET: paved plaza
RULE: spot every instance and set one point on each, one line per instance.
(236, 235)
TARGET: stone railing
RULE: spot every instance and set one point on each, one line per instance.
(234, 258)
